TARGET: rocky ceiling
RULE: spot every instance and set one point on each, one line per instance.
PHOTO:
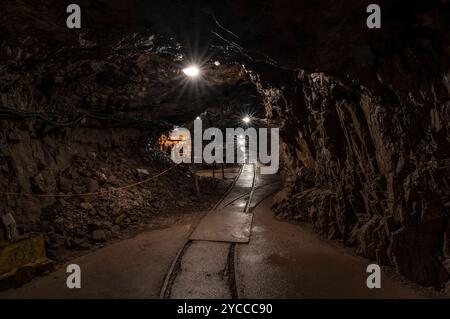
(326, 36)
(364, 114)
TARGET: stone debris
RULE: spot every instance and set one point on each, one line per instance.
(80, 222)
(99, 114)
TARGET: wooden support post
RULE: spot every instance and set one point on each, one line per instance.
(223, 171)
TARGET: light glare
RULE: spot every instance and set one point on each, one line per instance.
(192, 71)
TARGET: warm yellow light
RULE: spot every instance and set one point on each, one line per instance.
(192, 71)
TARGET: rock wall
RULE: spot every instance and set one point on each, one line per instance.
(40, 164)
(364, 118)
(369, 166)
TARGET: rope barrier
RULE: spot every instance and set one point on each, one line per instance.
(110, 190)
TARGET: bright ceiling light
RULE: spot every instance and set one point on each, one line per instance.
(246, 120)
(192, 71)
(198, 118)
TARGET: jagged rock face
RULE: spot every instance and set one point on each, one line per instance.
(369, 168)
(365, 125)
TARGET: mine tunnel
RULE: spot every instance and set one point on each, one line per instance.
(354, 119)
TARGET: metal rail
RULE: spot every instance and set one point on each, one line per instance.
(231, 262)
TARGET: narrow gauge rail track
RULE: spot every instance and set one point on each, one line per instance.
(225, 201)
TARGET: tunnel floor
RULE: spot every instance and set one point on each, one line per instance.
(250, 254)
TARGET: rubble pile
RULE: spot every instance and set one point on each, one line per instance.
(79, 110)
(80, 222)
